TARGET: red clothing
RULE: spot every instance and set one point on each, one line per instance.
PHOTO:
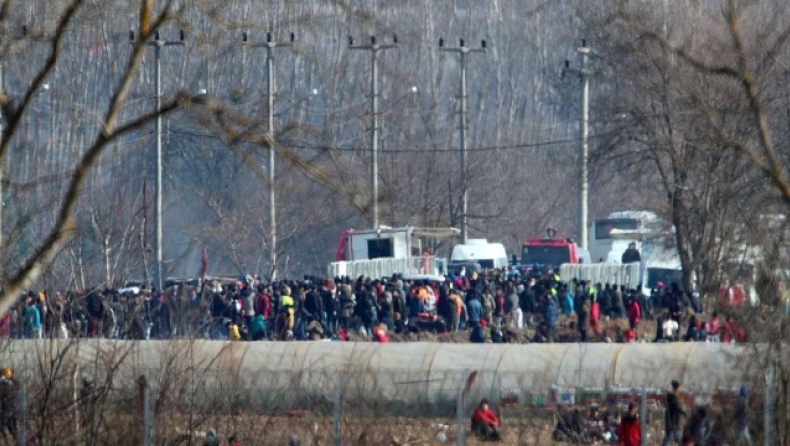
(634, 312)
(485, 416)
(381, 337)
(730, 331)
(629, 433)
(630, 335)
(5, 326)
(264, 305)
(595, 317)
(713, 326)
(737, 295)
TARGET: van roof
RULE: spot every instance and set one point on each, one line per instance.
(472, 251)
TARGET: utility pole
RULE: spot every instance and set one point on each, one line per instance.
(2, 165)
(584, 152)
(158, 44)
(374, 49)
(463, 51)
(270, 45)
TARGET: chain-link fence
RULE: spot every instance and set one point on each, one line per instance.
(184, 406)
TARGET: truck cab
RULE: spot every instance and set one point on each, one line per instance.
(552, 252)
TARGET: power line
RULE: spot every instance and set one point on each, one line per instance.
(503, 147)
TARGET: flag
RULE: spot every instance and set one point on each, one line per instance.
(203, 264)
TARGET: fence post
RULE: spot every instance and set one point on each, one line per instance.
(22, 416)
(460, 423)
(148, 422)
(643, 418)
(768, 415)
(336, 416)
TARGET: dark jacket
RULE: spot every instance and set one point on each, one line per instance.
(313, 303)
(673, 413)
(346, 304)
(631, 256)
(697, 428)
(742, 409)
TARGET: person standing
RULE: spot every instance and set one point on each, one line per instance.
(631, 255)
(697, 427)
(551, 316)
(629, 432)
(634, 312)
(583, 317)
(8, 404)
(742, 417)
(674, 410)
(32, 320)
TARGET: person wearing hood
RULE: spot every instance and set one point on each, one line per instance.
(742, 416)
(211, 438)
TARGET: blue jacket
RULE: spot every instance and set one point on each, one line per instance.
(551, 312)
(475, 311)
(32, 318)
(568, 306)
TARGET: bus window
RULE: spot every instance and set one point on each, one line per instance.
(603, 228)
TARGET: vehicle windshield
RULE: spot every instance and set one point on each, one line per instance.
(545, 255)
(486, 264)
(603, 228)
(665, 275)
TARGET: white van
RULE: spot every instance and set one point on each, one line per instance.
(487, 255)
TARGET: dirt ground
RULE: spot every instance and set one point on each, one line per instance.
(389, 431)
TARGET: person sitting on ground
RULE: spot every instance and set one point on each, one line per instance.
(541, 334)
(380, 334)
(315, 331)
(485, 423)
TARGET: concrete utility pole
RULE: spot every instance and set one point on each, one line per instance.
(374, 49)
(158, 44)
(463, 51)
(2, 166)
(270, 45)
(584, 152)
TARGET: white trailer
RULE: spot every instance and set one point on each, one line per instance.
(385, 251)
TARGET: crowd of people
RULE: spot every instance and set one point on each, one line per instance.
(491, 306)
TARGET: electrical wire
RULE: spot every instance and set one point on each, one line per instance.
(503, 147)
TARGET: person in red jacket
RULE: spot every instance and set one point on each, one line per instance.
(629, 433)
(485, 423)
(634, 312)
(380, 334)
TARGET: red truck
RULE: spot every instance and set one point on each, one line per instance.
(552, 252)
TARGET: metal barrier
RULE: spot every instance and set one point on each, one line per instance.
(378, 268)
(611, 273)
